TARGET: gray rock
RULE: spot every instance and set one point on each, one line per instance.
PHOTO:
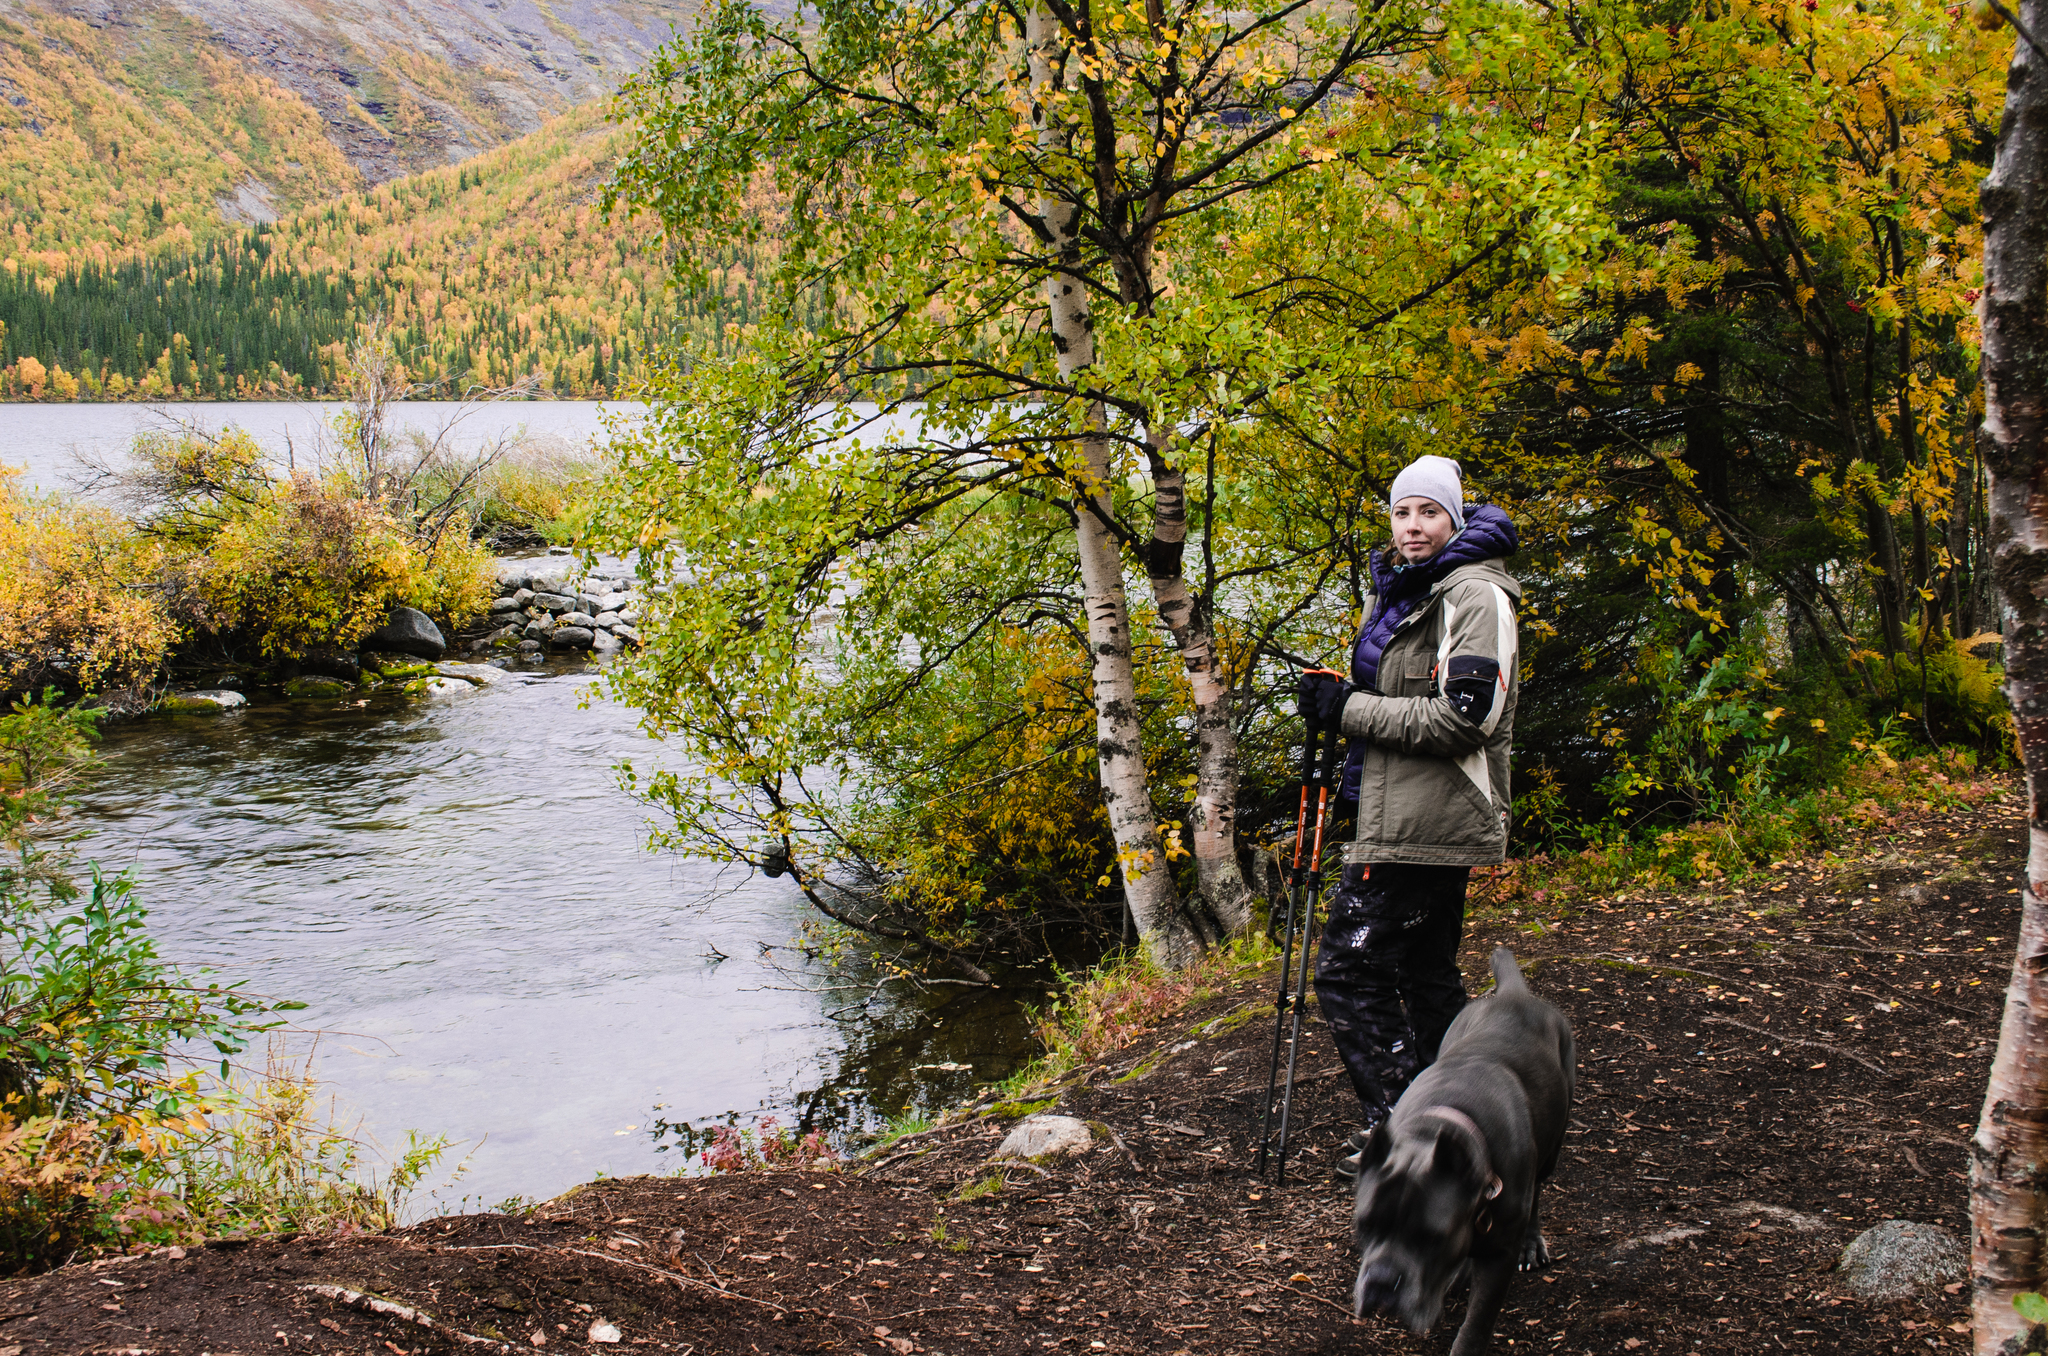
(213, 699)
(604, 642)
(308, 686)
(334, 664)
(539, 628)
(523, 599)
(554, 602)
(480, 675)
(587, 602)
(1042, 1136)
(1900, 1258)
(408, 631)
(572, 638)
(529, 646)
(505, 635)
(578, 618)
(625, 631)
(512, 580)
(612, 602)
(630, 615)
(607, 620)
(506, 605)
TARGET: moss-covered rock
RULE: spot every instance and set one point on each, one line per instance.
(310, 686)
(207, 703)
(396, 666)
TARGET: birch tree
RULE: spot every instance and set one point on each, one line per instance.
(2009, 1153)
(1030, 226)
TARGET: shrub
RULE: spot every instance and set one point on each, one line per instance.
(79, 602)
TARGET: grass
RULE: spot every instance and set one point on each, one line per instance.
(273, 1160)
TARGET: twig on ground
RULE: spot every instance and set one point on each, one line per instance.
(404, 1313)
(1783, 1039)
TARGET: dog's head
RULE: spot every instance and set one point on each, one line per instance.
(1422, 1198)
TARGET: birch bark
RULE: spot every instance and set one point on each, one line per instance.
(1162, 922)
(2009, 1154)
(1213, 833)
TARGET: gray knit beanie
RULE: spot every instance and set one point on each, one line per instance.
(1436, 478)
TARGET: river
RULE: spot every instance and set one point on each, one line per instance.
(460, 892)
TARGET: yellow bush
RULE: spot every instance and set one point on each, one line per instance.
(310, 565)
(77, 594)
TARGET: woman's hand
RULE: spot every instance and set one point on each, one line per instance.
(1323, 695)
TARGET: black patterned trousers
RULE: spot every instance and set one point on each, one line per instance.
(1387, 977)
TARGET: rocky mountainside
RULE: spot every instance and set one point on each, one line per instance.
(128, 127)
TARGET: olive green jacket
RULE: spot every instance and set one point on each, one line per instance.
(1434, 788)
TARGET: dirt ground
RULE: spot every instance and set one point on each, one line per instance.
(1762, 1076)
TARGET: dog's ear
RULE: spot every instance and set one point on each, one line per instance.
(1453, 1156)
(1374, 1151)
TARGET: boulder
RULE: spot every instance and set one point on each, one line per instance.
(607, 620)
(523, 599)
(538, 628)
(604, 642)
(511, 581)
(630, 615)
(587, 603)
(213, 699)
(1900, 1258)
(583, 619)
(499, 605)
(612, 602)
(1041, 1136)
(626, 631)
(529, 647)
(554, 602)
(408, 631)
(478, 675)
(572, 638)
(334, 664)
(309, 686)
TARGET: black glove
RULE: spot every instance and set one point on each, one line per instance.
(1323, 696)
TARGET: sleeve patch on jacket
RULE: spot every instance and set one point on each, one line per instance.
(1469, 684)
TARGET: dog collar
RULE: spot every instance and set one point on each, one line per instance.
(1471, 1127)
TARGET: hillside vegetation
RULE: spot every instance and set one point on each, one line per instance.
(498, 270)
(119, 142)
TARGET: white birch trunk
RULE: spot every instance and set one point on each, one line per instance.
(1213, 833)
(2009, 1153)
(1119, 735)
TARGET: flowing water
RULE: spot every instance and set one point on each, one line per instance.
(460, 892)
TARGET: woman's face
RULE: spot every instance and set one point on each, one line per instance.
(1421, 528)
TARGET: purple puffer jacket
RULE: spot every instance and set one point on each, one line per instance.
(1398, 588)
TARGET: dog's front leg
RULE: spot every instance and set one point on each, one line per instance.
(1535, 1252)
(1490, 1277)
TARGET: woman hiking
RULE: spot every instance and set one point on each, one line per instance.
(1430, 713)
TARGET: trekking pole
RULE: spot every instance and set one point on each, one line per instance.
(1326, 776)
(1284, 998)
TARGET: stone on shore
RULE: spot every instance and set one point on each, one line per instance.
(607, 620)
(307, 685)
(523, 599)
(538, 629)
(626, 631)
(1900, 1258)
(572, 637)
(554, 602)
(499, 605)
(214, 699)
(1040, 1137)
(409, 631)
(582, 619)
(604, 642)
(613, 602)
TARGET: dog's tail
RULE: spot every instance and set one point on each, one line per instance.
(1507, 975)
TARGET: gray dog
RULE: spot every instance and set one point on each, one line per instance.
(1450, 1178)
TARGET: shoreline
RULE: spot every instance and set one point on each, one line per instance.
(1716, 1169)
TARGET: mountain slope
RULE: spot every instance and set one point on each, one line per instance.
(499, 269)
